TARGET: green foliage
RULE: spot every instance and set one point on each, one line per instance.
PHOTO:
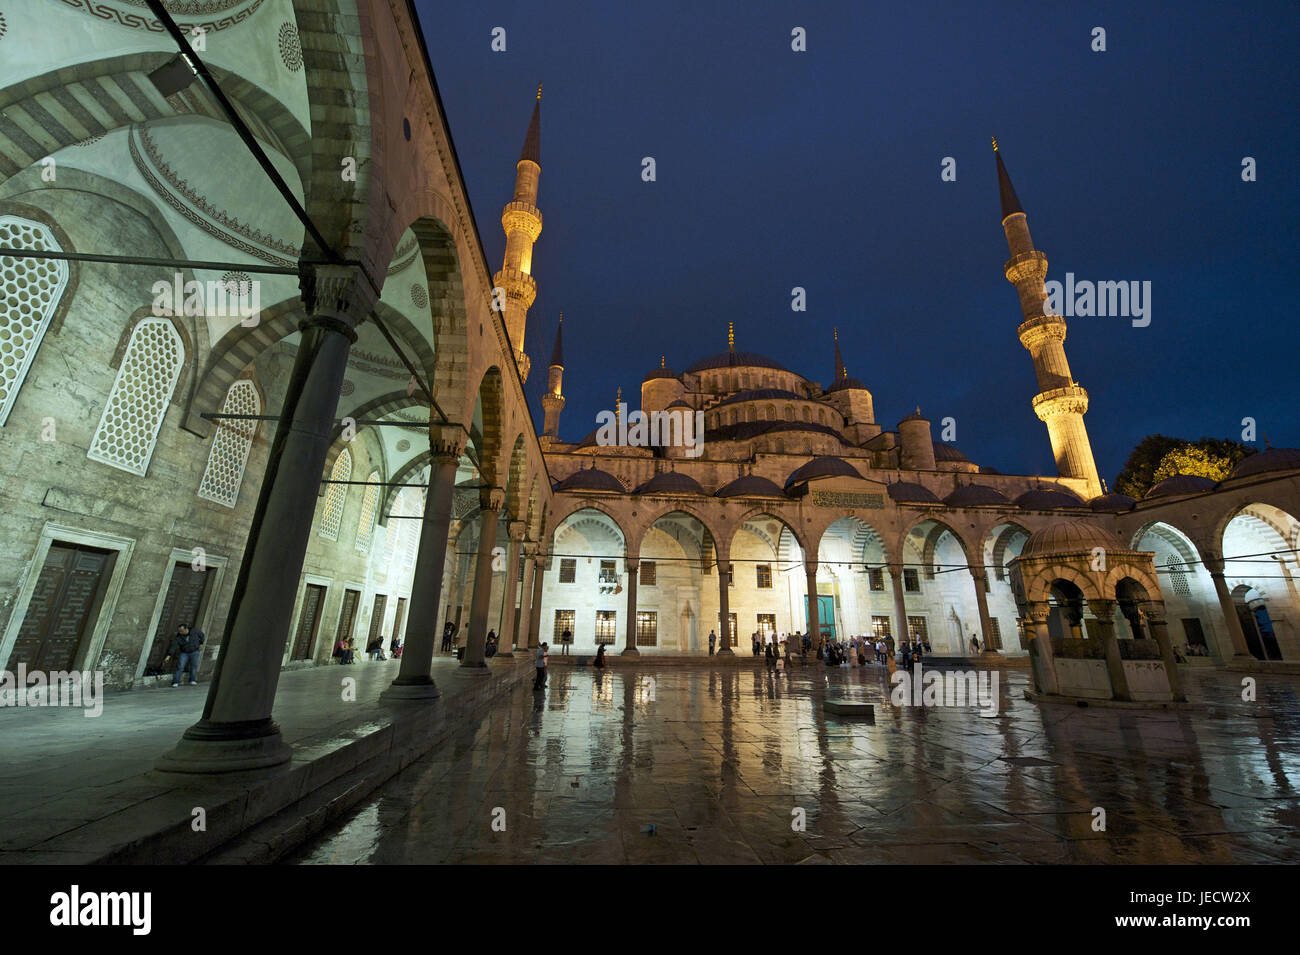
(1158, 456)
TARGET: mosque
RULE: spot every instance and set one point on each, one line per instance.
(355, 457)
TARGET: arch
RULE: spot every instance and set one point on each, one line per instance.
(759, 510)
(931, 530)
(515, 479)
(485, 433)
(999, 541)
(651, 517)
(575, 505)
(859, 535)
(1039, 583)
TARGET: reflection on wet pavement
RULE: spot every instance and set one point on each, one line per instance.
(721, 761)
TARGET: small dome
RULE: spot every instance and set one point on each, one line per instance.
(663, 371)
(1180, 484)
(825, 466)
(905, 492)
(751, 485)
(590, 479)
(915, 416)
(847, 384)
(1043, 498)
(670, 482)
(1274, 459)
(760, 394)
(946, 452)
(975, 495)
(1112, 503)
(1071, 537)
(679, 403)
(985, 470)
(733, 359)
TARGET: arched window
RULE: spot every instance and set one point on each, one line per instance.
(807, 415)
(789, 412)
(30, 290)
(151, 366)
(230, 445)
(369, 501)
(332, 514)
(821, 415)
(771, 413)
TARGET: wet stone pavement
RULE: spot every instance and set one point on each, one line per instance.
(720, 761)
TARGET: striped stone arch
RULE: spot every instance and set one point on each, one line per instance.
(403, 475)
(533, 516)
(760, 510)
(862, 536)
(999, 539)
(66, 106)
(449, 378)
(571, 507)
(1258, 506)
(1038, 583)
(1128, 567)
(488, 443)
(516, 479)
(650, 517)
(347, 112)
(930, 542)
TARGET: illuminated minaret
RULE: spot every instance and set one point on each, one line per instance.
(522, 221)
(553, 400)
(1061, 402)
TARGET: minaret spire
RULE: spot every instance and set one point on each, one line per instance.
(1061, 402)
(522, 222)
(840, 371)
(553, 400)
(731, 336)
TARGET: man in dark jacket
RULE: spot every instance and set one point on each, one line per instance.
(186, 648)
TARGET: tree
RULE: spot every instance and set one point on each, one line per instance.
(1208, 457)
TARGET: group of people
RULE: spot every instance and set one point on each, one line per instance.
(345, 650)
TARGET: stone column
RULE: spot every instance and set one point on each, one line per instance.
(535, 617)
(982, 602)
(633, 568)
(1041, 648)
(900, 605)
(524, 621)
(236, 731)
(505, 639)
(814, 610)
(1105, 622)
(1214, 564)
(1160, 633)
(424, 630)
(490, 501)
(724, 608)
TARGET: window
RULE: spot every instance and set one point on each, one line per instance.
(608, 574)
(766, 626)
(1177, 576)
(563, 621)
(877, 576)
(649, 573)
(366, 525)
(647, 628)
(996, 629)
(151, 366)
(32, 290)
(916, 629)
(880, 628)
(764, 576)
(605, 622)
(1192, 630)
(231, 443)
(911, 583)
(568, 570)
(336, 495)
(731, 576)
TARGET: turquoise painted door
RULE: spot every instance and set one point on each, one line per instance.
(825, 615)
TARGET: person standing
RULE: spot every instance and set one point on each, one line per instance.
(974, 644)
(566, 638)
(599, 662)
(448, 631)
(713, 641)
(187, 649)
(540, 682)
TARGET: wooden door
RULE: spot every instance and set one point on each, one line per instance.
(308, 622)
(399, 619)
(63, 608)
(377, 618)
(186, 596)
(348, 614)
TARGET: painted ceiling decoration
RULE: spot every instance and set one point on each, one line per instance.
(102, 10)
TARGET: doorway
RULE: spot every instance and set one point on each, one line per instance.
(187, 596)
(63, 608)
(313, 599)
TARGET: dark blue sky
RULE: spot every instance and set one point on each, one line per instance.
(821, 169)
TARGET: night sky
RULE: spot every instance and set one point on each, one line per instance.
(821, 169)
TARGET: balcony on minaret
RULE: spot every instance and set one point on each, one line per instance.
(522, 217)
(519, 285)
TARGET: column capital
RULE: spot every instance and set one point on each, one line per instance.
(1104, 609)
(810, 567)
(1039, 611)
(447, 441)
(516, 531)
(491, 498)
(632, 563)
(978, 572)
(529, 548)
(1154, 610)
(342, 293)
(1213, 562)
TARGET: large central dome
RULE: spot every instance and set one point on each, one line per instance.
(734, 359)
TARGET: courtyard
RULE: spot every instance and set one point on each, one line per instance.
(725, 764)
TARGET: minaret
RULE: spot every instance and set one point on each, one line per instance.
(840, 371)
(522, 221)
(1061, 402)
(553, 400)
